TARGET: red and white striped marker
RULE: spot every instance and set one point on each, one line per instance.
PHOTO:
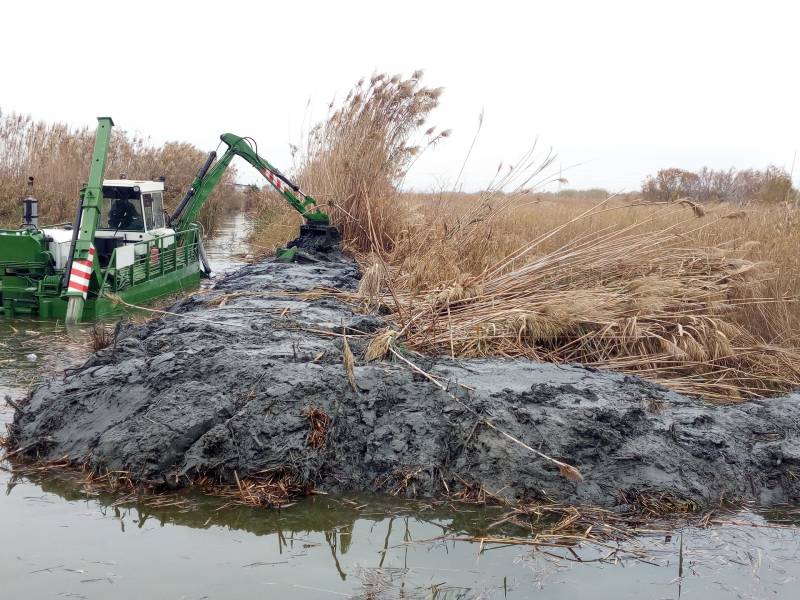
(81, 274)
(275, 180)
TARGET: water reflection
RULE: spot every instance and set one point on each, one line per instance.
(333, 516)
(318, 548)
(361, 546)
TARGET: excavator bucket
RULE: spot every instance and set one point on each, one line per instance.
(314, 239)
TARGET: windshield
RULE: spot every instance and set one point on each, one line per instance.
(121, 209)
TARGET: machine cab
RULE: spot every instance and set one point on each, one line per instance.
(132, 208)
(132, 212)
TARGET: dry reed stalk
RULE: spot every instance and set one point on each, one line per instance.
(118, 300)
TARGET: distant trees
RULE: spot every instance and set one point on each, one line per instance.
(772, 184)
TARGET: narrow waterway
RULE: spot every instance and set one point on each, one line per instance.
(59, 541)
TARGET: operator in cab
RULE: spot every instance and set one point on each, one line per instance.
(123, 214)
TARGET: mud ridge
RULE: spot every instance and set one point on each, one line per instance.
(226, 387)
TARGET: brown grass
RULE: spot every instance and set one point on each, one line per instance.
(699, 297)
(58, 157)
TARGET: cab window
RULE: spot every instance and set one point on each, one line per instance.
(153, 203)
(121, 209)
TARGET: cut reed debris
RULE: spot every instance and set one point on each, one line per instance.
(318, 423)
(267, 488)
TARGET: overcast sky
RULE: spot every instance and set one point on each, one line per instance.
(619, 88)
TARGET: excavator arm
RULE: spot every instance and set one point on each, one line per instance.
(211, 173)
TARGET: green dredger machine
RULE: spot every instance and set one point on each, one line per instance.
(122, 241)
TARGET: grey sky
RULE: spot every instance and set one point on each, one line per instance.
(623, 88)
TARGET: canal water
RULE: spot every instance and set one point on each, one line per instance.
(59, 541)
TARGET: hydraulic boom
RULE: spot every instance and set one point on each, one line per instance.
(210, 174)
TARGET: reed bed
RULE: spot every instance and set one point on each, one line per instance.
(642, 302)
(701, 298)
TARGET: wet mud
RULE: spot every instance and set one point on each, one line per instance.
(224, 389)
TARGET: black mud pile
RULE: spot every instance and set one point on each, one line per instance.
(226, 388)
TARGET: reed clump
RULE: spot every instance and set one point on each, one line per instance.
(101, 336)
(354, 161)
(642, 302)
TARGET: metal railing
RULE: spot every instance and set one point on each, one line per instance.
(154, 259)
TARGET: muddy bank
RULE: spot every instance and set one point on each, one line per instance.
(225, 388)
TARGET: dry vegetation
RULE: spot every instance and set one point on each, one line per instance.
(58, 157)
(701, 298)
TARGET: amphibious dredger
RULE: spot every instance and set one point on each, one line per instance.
(122, 243)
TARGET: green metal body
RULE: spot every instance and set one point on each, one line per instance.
(24, 265)
(30, 284)
(34, 288)
(91, 198)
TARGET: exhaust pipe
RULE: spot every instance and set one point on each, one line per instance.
(30, 209)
